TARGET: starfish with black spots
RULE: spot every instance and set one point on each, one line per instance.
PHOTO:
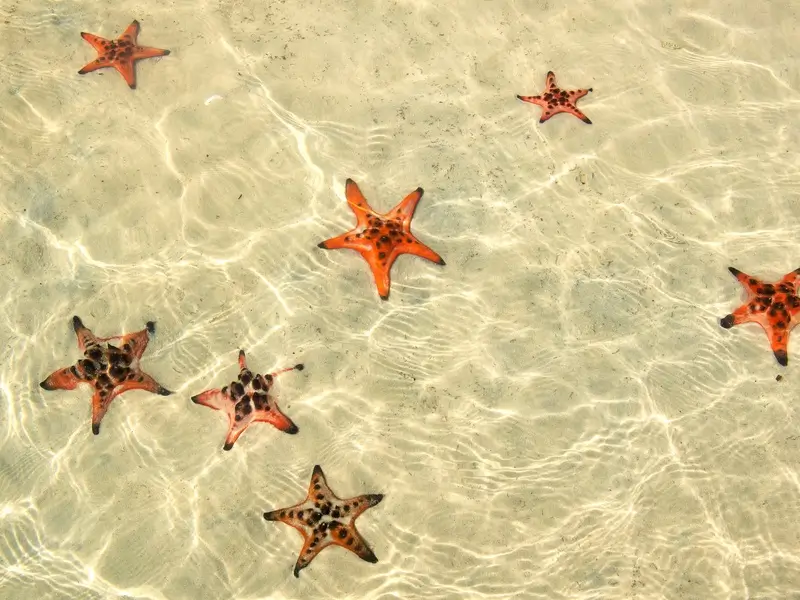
(555, 100)
(111, 370)
(381, 238)
(774, 306)
(247, 400)
(121, 53)
(323, 519)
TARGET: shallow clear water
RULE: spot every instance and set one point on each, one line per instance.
(555, 414)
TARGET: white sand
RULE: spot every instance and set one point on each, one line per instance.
(556, 414)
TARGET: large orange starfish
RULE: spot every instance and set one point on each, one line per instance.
(555, 100)
(381, 238)
(247, 401)
(774, 306)
(111, 370)
(120, 53)
(323, 519)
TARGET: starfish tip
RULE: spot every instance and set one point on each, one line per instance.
(734, 271)
(348, 181)
(420, 191)
(441, 262)
(321, 245)
(519, 97)
(384, 296)
(151, 326)
(296, 572)
(299, 367)
(96, 428)
(46, 386)
(227, 446)
(587, 120)
(164, 392)
(196, 399)
(782, 357)
(132, 86)
(268, 516)
(727, 322)
(166, 52)
(591, 89)
(76, 323)
(292, 430)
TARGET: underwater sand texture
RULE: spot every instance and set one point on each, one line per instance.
(556, 414)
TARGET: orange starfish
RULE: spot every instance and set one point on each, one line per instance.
(120, 53)
(774, 306)
(555, 100)
(323, 519)
(247, 401)
(111, 371)
(381, 238)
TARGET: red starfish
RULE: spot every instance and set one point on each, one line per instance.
(381, 238)
(323, 519)
(120, 53)
(111, 371)
(555, 100)
(246, 401)
(774, 306)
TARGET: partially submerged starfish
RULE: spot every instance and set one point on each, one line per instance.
(774, 306)
(554, 100)
(324, 519)
(121, 53)
(110, 370)
(381, 238)
(247, 400)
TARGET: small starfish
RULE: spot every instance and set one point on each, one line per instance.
(120, 53)
(555, 100)
(381, 238)
(246, 401)
(111, 371)
(774, 306)
(323, 519)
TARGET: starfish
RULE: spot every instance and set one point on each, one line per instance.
(323, 519)
(120, 53)
(774, 306)
(110, 370)
(381, 238)
(247, 401)
(555, 100)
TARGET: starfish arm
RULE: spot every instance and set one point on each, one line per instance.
(380, 271)
(575, 111)
(347, 240)
(741, 315)
(236, 429)
(134, 343)
(358, 204)
(576, 95)
(779, 342)
(101, 400)
(274, 374)
(350, 539)
(750, 284)
(85, 337)
(99, 63)
(142, 381)
(361, 503)
(148, 52)
(318, 489)
(215, 399)
(276, 418)
(312, 545)
(127, 70)
(63, 379)
(405, 210)
(550, 81)
(792, 277)
(96, 41)
(131, 32)
(538, 100)
(417, 248)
